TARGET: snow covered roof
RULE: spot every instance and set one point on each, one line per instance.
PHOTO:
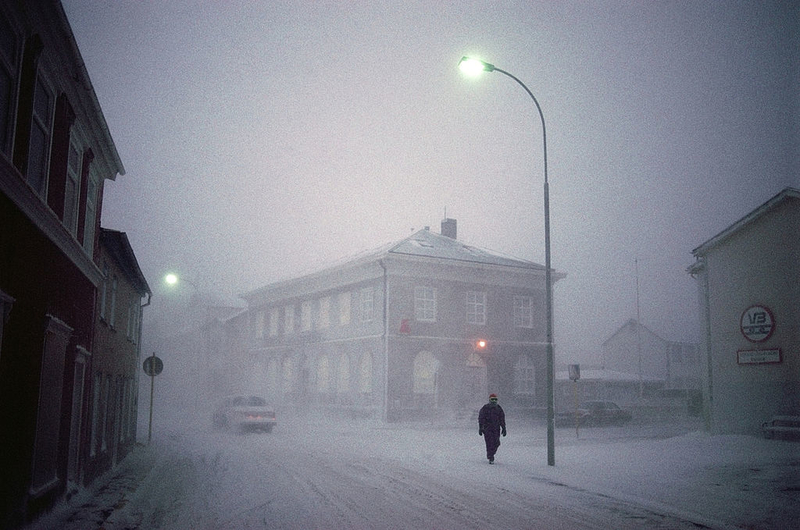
(421, 244)
(425, 243)
(785, 195)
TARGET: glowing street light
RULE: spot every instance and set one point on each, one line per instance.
(474, 67)
(173, 279)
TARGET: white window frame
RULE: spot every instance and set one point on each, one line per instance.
(523, 311)
(72, 202)
(367, 304)
(425, 303)
(259, 324)
(324, 313)
(476, 307)
(305, 316)
(90, 223)
(43, 125)
(9, 59)
(525, 376)
(288, 319)
(344, 308)
(274, 321)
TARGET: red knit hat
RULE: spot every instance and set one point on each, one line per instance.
(492, 396)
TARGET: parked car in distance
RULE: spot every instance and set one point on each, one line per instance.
(594, 413)
(244, 413)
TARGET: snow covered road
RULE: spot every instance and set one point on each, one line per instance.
(363, 475)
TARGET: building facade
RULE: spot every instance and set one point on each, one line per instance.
(109, 432)
(55, 154)
(635, 349)
(421, 328)
(747, 279)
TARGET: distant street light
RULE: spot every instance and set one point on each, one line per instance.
(173, 279)
(474, 67)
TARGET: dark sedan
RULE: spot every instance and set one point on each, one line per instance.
(594, 413)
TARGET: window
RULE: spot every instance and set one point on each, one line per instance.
(323, 375)
(524, 376)
(288, 320)
(91, 214)
(95, 442)
(104, 291)
(72, 189)
(425, 304)
(288, 375)
(8, 60)
(259, 325)
(343, 381)
(367, 304)
(324, 313)
(523, 312)
(39, 150)
(426, 368)
(365, 374)
(113, 308)
(344, 309)
(476, 308)
(305, 316)
(274, 317)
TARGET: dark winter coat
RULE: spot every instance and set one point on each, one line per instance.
(491, 418)
(491, 421)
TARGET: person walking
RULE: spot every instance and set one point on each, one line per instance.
(491, 423)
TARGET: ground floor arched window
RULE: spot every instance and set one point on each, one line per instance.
(426, 372)
(323, 375)
(365, 374)
(524, 380)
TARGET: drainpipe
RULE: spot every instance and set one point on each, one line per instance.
(385, 406)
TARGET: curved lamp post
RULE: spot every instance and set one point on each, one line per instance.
(474, 67)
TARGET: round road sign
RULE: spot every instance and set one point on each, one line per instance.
(153, 365)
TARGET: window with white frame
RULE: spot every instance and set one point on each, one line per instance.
(476, 307)
(323, 375)
(260, 324)
(274, 318)
(367, 304)
(288, 319)
(524, 376)
(72, 188)
(365, 373)
(324, 313)
(9, 56)
(523, 312)
(343, 379)
(104, 291)
(425, 304)
(112, 310)
(305, 316)
(40, 138)
(344, 308)
(92, 190)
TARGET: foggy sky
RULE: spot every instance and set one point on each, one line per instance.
(264, 139)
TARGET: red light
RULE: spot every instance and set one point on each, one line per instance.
(481, 344)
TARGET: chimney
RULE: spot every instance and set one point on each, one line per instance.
(449, 228)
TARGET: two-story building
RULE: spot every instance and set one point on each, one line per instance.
(56, 152)
(422, 327)
(109, 432)
(747, 279)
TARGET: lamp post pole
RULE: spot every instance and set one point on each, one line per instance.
(475, 66)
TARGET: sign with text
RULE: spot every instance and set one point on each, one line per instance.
(758, 356)
(757, 323)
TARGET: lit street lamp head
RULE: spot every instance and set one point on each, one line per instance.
(473, 67)
(171, 279)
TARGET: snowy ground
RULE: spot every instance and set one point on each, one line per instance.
(358, 474)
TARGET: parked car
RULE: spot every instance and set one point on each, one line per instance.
(244, 413)
(594, 413)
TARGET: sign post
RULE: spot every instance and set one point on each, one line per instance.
(575, 374)
(152, 366)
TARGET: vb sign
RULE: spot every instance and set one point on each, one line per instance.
(757, 323)
(153, 366)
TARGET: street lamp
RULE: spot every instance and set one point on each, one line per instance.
(474, 67)
(173, 279)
